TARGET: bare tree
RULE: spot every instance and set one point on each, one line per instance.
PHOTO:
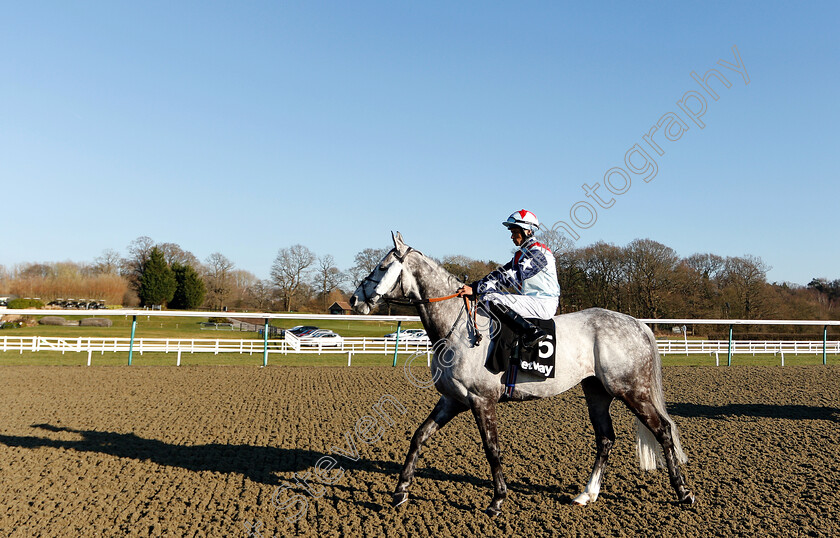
(466, 268)
(605, 269)
(289, 271)
(650, 266)
(698, 281)
(366, 260)
(35, 270)
(557, 242)
(173, 253)
(827, 293)
(327, 277)
(108, 263)
(709, 266)
(139, 251)
(746, 278)
(4, 279)
(572, 279)
(260, 294)
(241, 282)
(218, 278)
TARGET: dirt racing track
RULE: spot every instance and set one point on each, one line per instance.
(206, 451)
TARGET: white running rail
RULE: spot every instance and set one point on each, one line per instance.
(296, 345)
(207, 345)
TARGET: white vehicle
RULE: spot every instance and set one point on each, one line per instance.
(409, 335)
(322, 338)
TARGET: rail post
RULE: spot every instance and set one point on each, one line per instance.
(397, 342)
(265, 343)
(729, 358)
(825, 338)
(131, 342)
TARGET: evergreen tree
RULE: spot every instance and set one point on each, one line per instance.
(190, 288)
(157, 282)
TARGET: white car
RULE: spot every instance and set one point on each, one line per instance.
(322, 338)
(409, 335)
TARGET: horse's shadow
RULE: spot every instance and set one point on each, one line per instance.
(759, 410)
(257, 463)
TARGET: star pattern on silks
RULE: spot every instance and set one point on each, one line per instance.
(527, 262)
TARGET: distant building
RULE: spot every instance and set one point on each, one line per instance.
(340, 308)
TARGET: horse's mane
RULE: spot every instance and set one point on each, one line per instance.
(438, 266)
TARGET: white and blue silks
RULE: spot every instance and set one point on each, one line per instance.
(527, 284)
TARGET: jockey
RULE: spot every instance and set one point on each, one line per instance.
(530, 278)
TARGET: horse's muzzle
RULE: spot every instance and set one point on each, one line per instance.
(359, 306)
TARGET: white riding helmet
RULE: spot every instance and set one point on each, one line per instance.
(523, 219)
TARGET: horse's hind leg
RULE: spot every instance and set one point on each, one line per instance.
(660, 426)
(598, 400)
(484, 411)
(443, 412)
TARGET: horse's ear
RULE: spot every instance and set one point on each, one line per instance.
(399, 244)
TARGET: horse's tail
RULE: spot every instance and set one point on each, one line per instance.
(647, 447)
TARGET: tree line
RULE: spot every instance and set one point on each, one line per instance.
(165, 274)
(644, 278)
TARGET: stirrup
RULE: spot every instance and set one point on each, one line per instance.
(535, 339)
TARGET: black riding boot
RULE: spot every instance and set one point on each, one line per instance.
(531, 334)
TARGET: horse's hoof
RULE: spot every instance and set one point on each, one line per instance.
(492, 512)
(688, 498)
(581, 500)
(399, 498)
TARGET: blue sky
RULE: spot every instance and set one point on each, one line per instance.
(243, 128)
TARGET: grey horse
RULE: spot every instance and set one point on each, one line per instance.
(611, 355)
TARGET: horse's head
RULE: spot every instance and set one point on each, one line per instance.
(389, 280)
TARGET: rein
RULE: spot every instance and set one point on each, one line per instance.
(471, 312)
(414, 302)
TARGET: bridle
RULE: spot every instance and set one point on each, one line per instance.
(362, 284)
(471, 312)
(404, 302)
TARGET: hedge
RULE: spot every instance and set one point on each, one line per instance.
(25, 303)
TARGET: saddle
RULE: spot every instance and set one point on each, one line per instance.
(509, 354)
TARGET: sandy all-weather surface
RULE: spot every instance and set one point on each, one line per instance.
(200, 451)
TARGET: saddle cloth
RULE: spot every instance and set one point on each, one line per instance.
(538, 361)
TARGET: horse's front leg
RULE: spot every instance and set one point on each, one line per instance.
(443, 412)
(484, 411)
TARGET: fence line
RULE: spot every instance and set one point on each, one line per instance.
(207, 345)
(361, 345)
(732, 346)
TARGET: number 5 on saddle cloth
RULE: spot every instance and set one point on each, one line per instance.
(508, 353)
